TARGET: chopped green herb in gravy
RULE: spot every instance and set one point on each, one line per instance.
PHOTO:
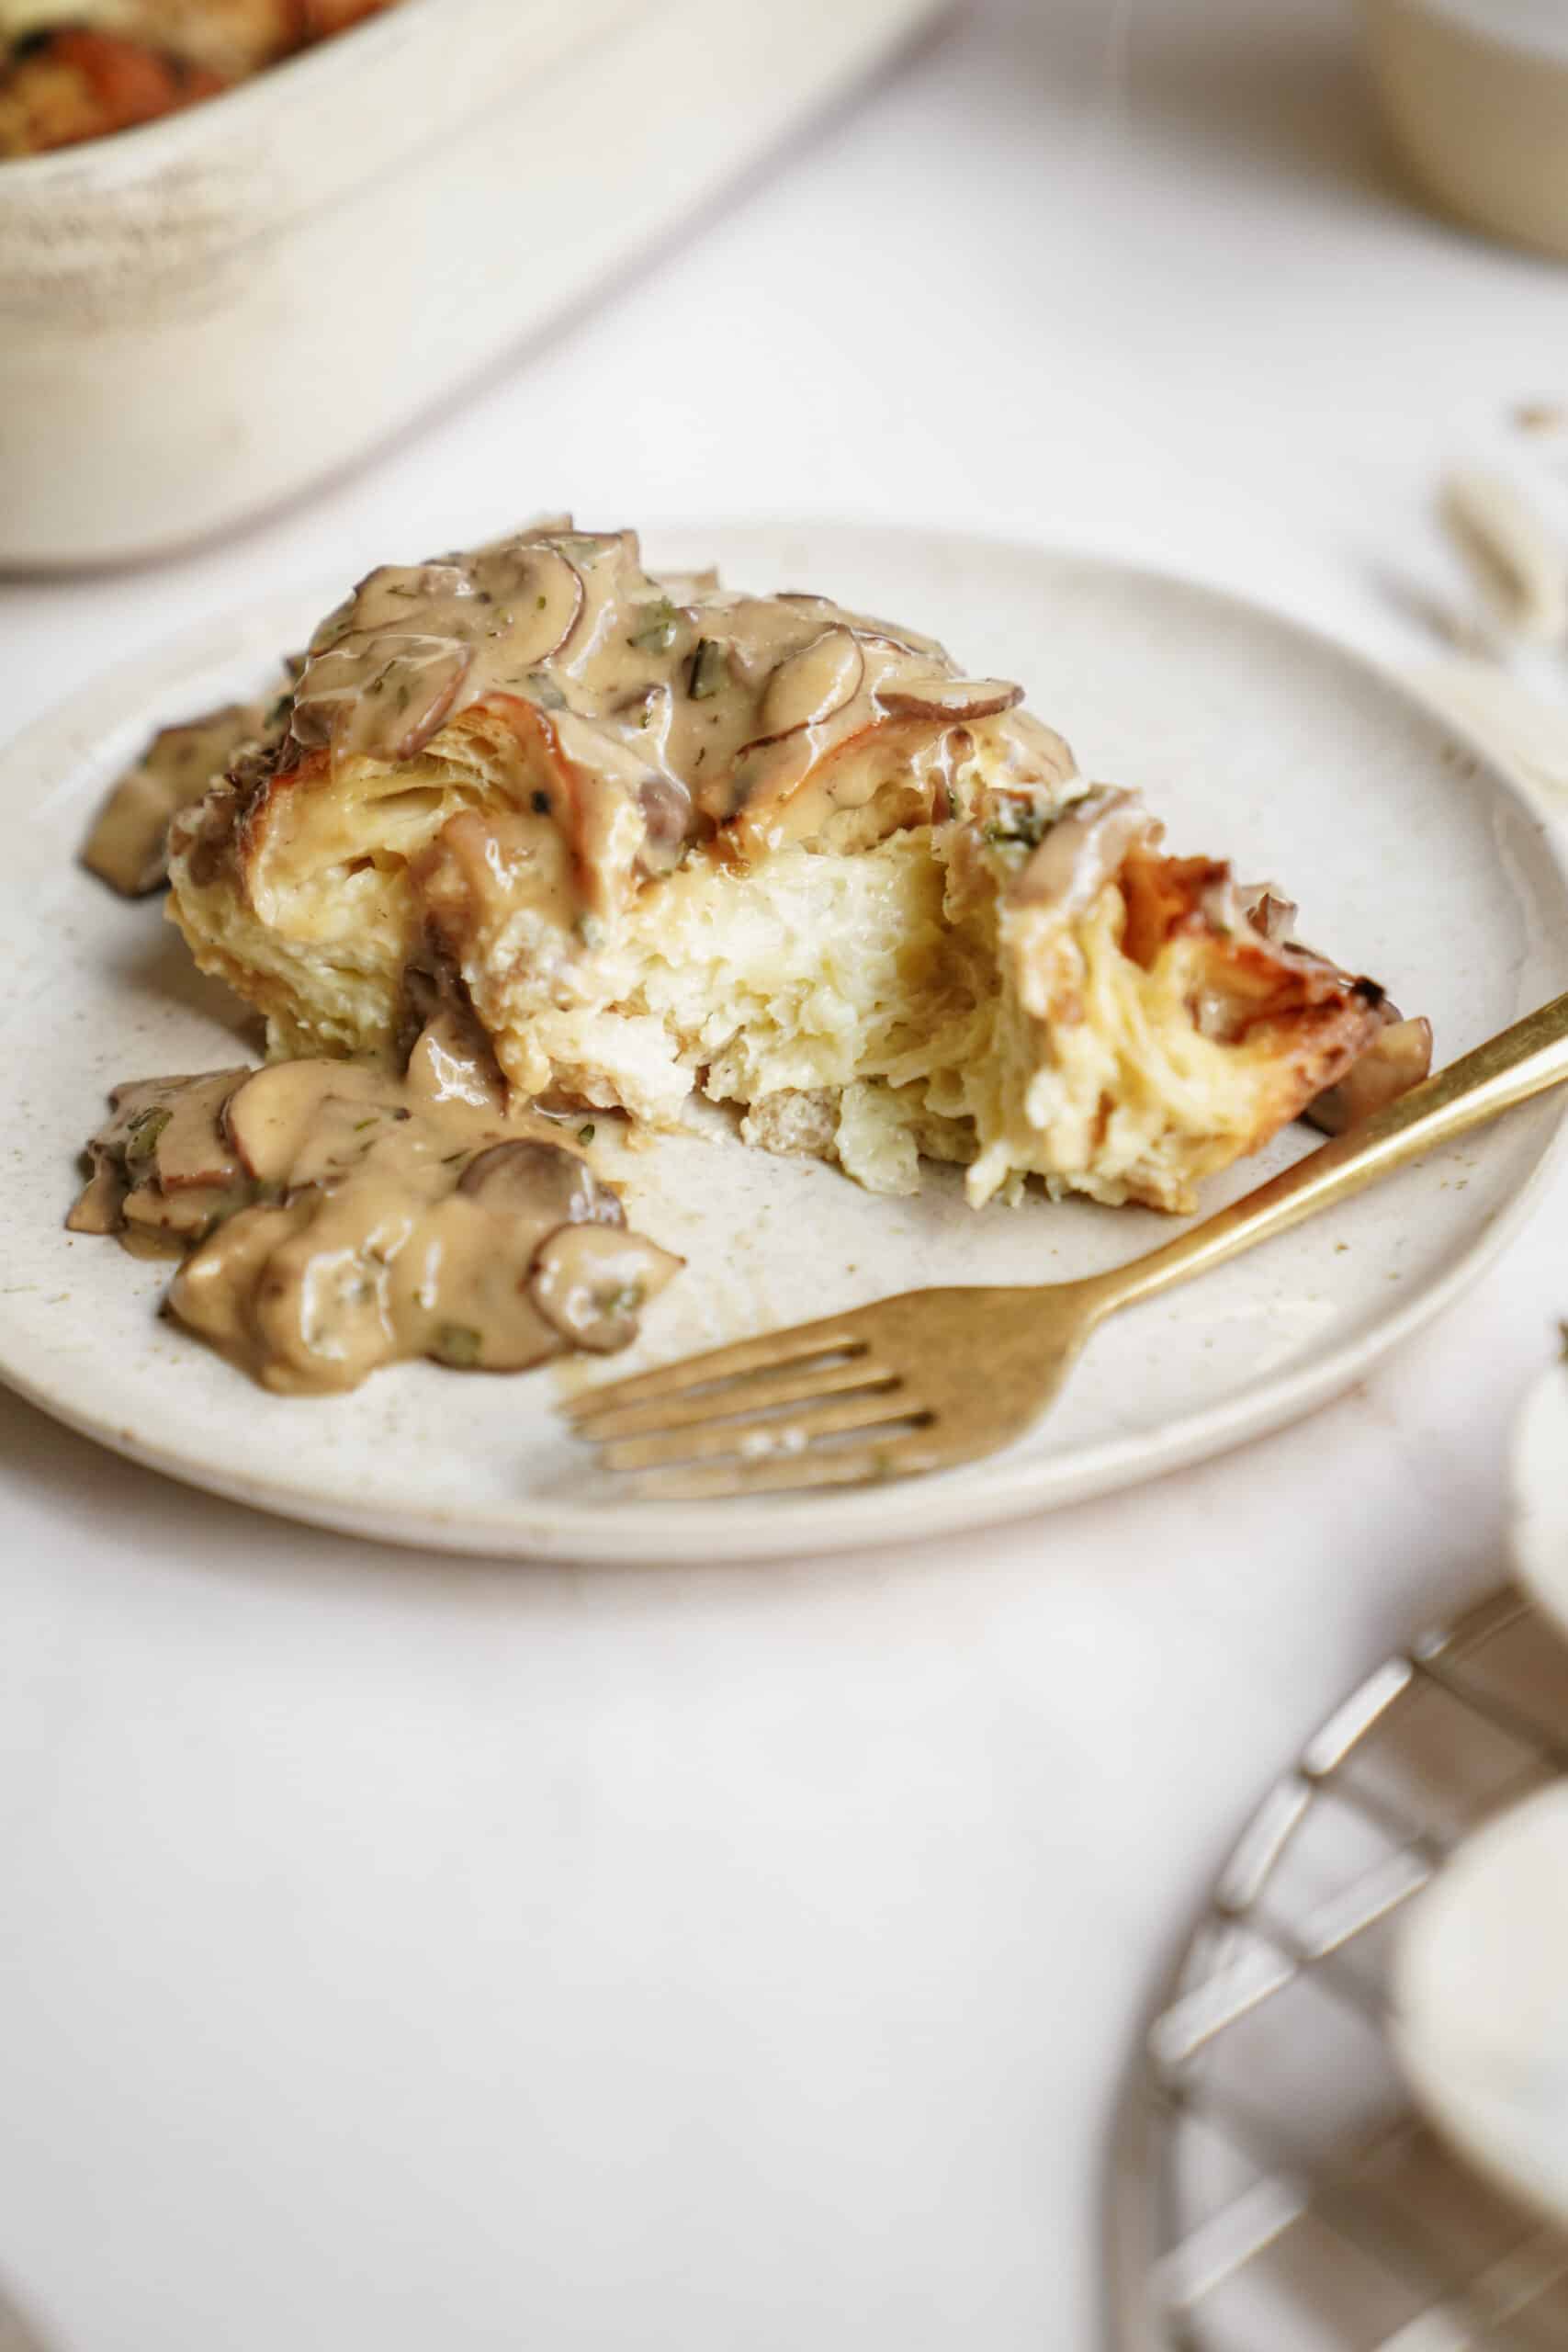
(332, 1218)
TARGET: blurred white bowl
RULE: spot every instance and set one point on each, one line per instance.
(1476, 94)
(1481, 1999)
(204, 316)
(1481, 1974)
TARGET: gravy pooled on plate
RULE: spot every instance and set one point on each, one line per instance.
(334, 1219)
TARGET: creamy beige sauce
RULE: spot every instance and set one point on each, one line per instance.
(334, 1219)
(705, 710)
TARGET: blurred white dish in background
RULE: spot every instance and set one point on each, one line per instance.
(206, 315)
(1481, 1976)
(1481, 1999)
(1541, 1491)
(1475, 96)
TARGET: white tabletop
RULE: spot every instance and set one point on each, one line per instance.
(412, 1952)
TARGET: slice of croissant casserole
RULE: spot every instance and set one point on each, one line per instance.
(664, 837)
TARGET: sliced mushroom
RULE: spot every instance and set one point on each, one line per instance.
(380, 692)
(873, 631)
(1267, 912)
(288, 1123)
(1398, 1058)
(188, 1216)
(1082, 851)
(592, 1283)
(540, 594)
(333, 626)
(458, 1292)
(591, 547)
(812, 685)
(452, 1060)
(163, 1138)
(99, 1206)
(387, 598)
(949, 697)
(126, 846)
(189, 1149)
(541, 1182)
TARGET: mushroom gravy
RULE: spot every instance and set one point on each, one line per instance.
(334, 1219)
(652, 714)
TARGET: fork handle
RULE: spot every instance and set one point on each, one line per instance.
(1518, 1062)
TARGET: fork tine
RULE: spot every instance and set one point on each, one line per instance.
(771, 1352)
(756, 1393)
(761, 1441)
(899, 1456)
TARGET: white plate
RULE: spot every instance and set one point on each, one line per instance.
(1413, 857)
(1481, 1997)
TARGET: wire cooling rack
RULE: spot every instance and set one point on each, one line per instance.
(1274, 2190)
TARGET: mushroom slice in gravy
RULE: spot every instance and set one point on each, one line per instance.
(308, 1122)
(127, 844)
(160, 1167)
(591, 1282)
(945, 698)
(533, 1179)
(335, 1218)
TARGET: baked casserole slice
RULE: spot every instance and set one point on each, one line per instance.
(664, 838)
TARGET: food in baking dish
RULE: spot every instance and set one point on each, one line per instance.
(72, 70)
(658, 836)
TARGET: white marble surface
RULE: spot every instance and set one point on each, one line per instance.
(407, 1952)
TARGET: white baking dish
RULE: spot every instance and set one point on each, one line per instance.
(1476, 94)
(204, 316)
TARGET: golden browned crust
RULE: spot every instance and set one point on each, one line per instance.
(1307, 1018)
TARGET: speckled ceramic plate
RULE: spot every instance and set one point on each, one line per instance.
(1412, 856)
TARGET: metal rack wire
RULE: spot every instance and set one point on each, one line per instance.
(1274, 2190)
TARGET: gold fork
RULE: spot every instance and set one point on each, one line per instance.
(932, 1377)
